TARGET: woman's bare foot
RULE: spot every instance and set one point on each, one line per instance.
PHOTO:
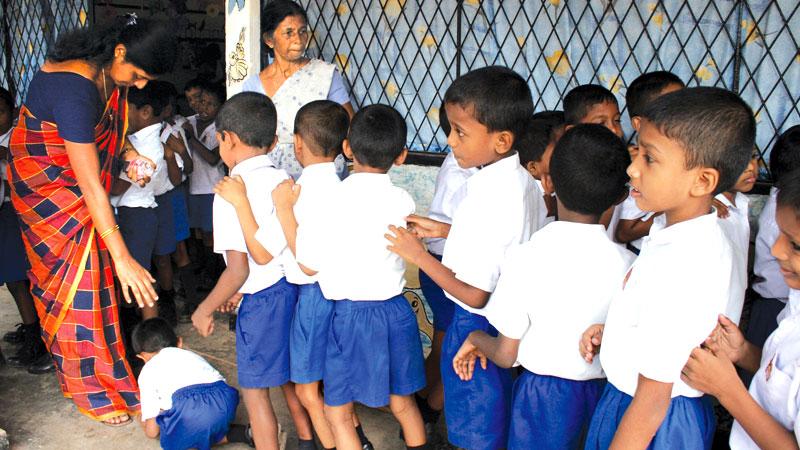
(118, 421)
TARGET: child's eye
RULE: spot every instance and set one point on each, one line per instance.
(648, 159)
(795, 247)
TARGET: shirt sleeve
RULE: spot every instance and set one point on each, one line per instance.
(506, 313)
(338, 92)
(227, 229)
(314, 232)
(76, 112)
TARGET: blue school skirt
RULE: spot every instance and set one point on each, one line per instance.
(138, 227)
(477, 411)
(14, 263)
(199, 417)
(374, 351)
(552, 413)
(166, 244)
(688, 425)
(442, 307)
(262, 336)
(308, 341)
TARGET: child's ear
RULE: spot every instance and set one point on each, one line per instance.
(504, 142)
(401, 158)
(533, 169)
(180, 342)
(547, 184)
(346, 150)
(220, 136)
(298, 148)
(705, 183)
(635, 122)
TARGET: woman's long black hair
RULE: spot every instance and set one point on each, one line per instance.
(150, 44)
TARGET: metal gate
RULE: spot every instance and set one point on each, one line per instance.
(406, 53)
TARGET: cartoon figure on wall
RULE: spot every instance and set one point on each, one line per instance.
(237, 69)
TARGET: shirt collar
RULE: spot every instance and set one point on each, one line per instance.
(314, 170)
(148, 132)
(793, 304)
(738, 197)
(697, 227)
(251, 164)
(507, 163)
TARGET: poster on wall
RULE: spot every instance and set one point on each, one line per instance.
(242, 42)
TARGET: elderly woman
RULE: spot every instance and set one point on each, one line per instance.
(291, 80)
(63, 150)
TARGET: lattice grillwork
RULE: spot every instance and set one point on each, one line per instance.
(406, 53)
(26, 29)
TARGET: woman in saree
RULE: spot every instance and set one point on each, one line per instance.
(65, 151)
(291, 79)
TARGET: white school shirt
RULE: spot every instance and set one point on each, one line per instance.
(770, 282)
(446, 196)
(776, 384)
(501, 207)
(171, 369)
(356, 265)
(150, 137)
(551, 289)
(146, 141)
(543, 211)
(4, 138)
(737, 227)
(629, 211)
(204, 176)
(317, 195)
(167, 130)
(260, 177)
(674, 292)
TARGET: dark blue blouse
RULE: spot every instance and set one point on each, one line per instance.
(68, 100)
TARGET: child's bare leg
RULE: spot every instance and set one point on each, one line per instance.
(311, 398)
(263, 422)
(433, 373)
(302, 422)
(340, 419)
(406, 412)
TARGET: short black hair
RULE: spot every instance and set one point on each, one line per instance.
(581, 99)
(588, 169)
(789, 192)
(533, 141)
(215, 89)
(323, 125)
(785, 154)
(149, 95)
(150, 44)
(273, 14)
(6, 97)
(443, 122)
(251, 116)
(500, 98)
(377, 136)
(197, 82)
(715, 127)
(647, 87)
(555, 117)
(153, 335)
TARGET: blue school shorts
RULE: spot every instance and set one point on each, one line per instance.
(201, 212)
(138, 232)
(165, 232)
(442, 307)
(262, 336)
(181, 211)
(308, 341)
(477, 411)
(200, 416)
(14, 263)
(374, 351)
(552, 413)
(689, 423)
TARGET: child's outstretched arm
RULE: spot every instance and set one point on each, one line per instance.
(211, 156)
(501, 350)
(715, 375)
(727, 340)
(412, 250)
(631, 230)
(233, 190)
(285, 196)
(229, 283)
(644, 415)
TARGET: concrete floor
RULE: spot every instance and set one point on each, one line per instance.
(36, 416)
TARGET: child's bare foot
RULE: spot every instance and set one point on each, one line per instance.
(118, 421)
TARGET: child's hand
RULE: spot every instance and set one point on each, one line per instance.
(231, 304)
(187, 126)
(464, 361)
(285, 195)
(233, 190)
(709, 373)
(405, 244)
(590, 342)
(175, 144)
(423, 227)
(726, 340)
(203, 322)
(722, 210)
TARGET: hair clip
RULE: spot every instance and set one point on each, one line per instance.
(131, 19)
